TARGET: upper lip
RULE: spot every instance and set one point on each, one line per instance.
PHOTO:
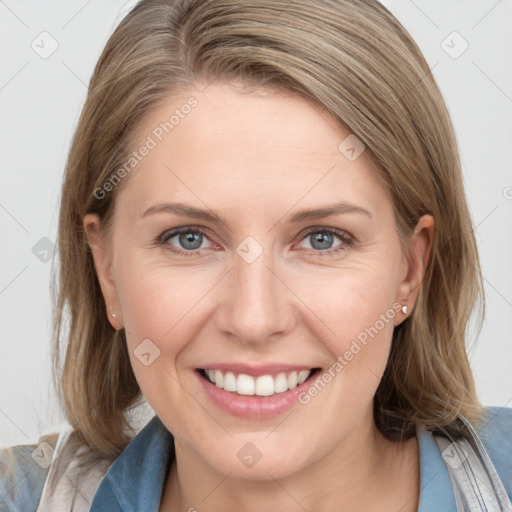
(257, 370)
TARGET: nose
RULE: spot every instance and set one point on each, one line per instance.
(256, 304)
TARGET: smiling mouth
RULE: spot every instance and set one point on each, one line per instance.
(264, 385)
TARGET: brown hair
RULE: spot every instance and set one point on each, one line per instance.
(358, 62)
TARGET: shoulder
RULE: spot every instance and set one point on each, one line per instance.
(495, 432)
(23, 472)
(49, 475)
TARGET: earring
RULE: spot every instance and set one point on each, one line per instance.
(404, 310)
(112, 314)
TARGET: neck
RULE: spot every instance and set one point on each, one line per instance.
(365, 472)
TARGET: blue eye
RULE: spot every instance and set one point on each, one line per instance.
(324, 240)
(190, 239)
(321, 239)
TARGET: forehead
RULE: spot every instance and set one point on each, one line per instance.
(223, 142)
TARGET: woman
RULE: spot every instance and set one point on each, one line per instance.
(264, 234)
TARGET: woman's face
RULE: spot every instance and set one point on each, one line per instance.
(262, 286)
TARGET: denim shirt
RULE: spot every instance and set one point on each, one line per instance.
(134, 481)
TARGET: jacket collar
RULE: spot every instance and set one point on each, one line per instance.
(436, 491)
(134, 482)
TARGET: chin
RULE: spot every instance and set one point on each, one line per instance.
(252, 457)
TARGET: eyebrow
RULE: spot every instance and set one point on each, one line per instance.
(301, 215)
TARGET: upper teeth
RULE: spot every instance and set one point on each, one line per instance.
(265, 385)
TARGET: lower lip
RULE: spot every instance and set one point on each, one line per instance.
(253, 407)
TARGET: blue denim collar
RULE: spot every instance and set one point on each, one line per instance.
(135, 481)
(436, 491)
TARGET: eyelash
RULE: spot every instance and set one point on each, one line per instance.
(348, 242)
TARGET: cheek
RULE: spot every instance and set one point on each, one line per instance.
(161, 304)
(352, 302)
(152, 295)
(160, 311)
(362, 318)
(358, 308)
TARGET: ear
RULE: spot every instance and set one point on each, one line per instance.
(102, 256)
(416, 262)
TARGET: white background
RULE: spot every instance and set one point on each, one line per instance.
(40, 100)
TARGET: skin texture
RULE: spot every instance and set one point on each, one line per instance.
(255, 158)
